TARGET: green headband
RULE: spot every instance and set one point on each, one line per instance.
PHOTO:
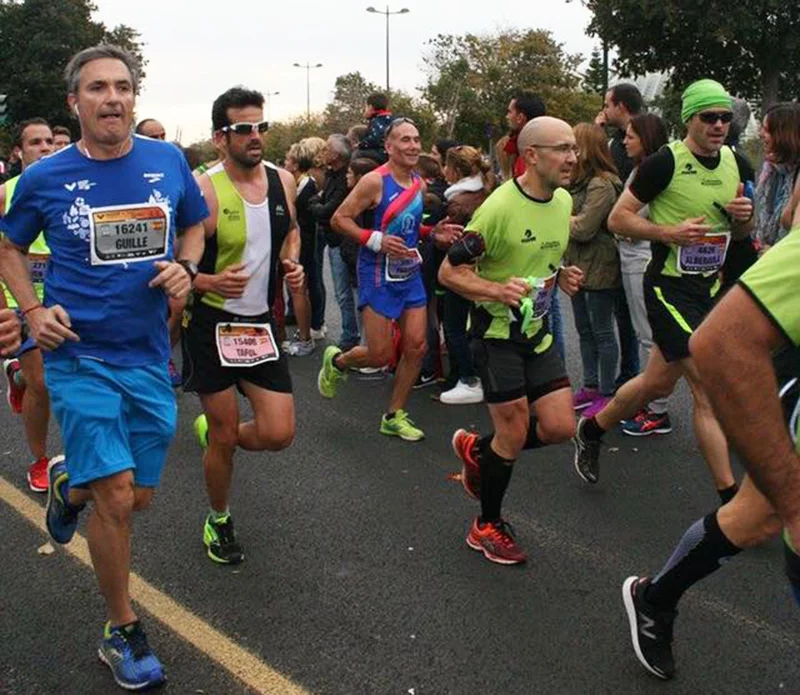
(701, 95)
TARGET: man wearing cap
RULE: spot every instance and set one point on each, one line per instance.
(694, 189)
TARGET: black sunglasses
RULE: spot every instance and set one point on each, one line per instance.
(246, 128)
(711, 117)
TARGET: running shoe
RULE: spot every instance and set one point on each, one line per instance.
(646, 422)
(463, 394)
(596, 406)
(300, 348)
(37, 475)
(201, 430)
(319, 333)
(219, 538)
(14, 391)
(174, 375)
(496, 541)
(330, 375)
(424, 380)
(61, 516)
(126, 652)
(465, 447)
(651, 629)
(587, 455)
(584, 397)
(401, 426)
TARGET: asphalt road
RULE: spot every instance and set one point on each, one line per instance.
(357, 578)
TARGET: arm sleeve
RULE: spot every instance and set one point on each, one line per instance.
(192, 207)
(653, 175)
(482, 224)
(600, 198)
(23, 222)
(773, 282)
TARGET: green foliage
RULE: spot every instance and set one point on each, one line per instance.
(283, 134)
(594, 79)
(751, 47)
(471, 79)
(37, 39)
(668, 106)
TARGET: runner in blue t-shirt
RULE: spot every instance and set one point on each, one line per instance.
(109, 207)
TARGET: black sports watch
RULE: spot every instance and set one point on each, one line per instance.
(190, 268)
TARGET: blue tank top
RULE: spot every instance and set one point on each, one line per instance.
(400, 214)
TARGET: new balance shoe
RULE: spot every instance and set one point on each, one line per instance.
(219, 537)
(174, 374)
(200, 428)
(651, 629)
(330, 375)
(15, 388)
(300, 348)
(584, 397)
(401, 426)
(646, 422)
(465, 448)
(587, 455)
(61, 517)
(125, 651)
(37, 475)
(463, 394)
(496, 541)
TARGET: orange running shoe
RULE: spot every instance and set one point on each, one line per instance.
(465, 447)
(495, 540)
(37, 475)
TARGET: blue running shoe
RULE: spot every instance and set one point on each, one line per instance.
(61, 516)
(126, 652)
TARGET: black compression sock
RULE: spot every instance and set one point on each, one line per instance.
(591, 430)
(701, 551)
(727, 494)
(495, 477)
(532, 441)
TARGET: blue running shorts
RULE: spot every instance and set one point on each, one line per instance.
(390, 299)
(112, 419)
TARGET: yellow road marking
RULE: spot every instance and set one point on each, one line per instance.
(239, 662)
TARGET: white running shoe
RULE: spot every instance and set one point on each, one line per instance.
(320, 334)
(463, 394)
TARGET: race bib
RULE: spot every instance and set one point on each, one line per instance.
(542, 295)
(37, 266)
(707, 256)
(245, 344)
(128, 233)
(401, 269)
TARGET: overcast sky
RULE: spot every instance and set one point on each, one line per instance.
(198, 50)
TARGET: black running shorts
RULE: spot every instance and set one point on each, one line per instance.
(202, 371)
(510, 370)
(674, 315)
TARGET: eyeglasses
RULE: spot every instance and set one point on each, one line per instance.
(564, 148)
(399, 121)
(711, 117)
(246, 128)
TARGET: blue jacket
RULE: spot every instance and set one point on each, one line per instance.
(376, 131)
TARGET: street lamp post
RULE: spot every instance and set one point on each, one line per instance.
(269, 96)
(308, 67)
(388, 13)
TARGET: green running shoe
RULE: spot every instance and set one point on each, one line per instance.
(329, 376)
(201, 431)
(220, 541)
(401, 426)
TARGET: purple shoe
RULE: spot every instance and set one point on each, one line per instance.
(584, 398)
(596, 406)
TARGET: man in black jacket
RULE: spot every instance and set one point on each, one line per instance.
(622, 103)
(337, 157)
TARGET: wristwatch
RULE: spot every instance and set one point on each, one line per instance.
(190, 268)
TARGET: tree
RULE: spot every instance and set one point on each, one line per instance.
(471, 79)
(37, 39)
(594, 79)
(753, 48)
(282, 134)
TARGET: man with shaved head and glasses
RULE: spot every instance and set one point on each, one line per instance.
(389, 280)
(508, 262)
(695, 192)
